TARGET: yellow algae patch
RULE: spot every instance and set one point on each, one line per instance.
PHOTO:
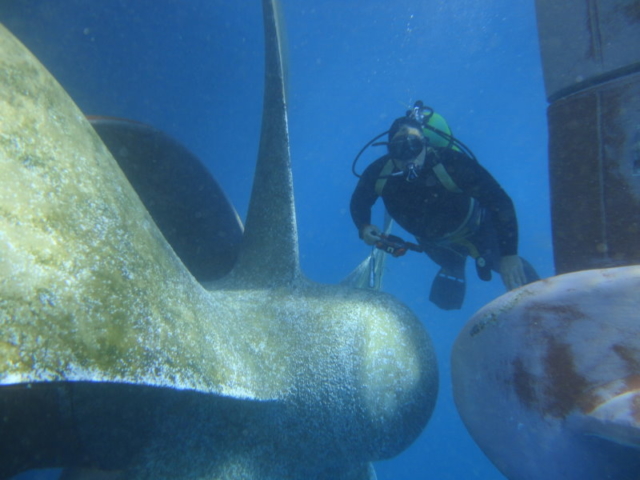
(90, 290)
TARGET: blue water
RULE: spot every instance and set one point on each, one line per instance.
(194, 69)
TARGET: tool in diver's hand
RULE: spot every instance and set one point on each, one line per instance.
(372, 270)
(396, 246)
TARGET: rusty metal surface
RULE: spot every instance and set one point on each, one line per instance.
(594, 166)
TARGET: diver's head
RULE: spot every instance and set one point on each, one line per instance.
(406, 140)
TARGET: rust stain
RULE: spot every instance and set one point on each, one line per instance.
(630, 356)
(595, 397)
(523, 383)
(535, 314)
(560, 390)
(563, 384)
(570, 313)
(620, 187)
(594, 191)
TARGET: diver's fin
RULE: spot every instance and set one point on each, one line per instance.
(447, 291)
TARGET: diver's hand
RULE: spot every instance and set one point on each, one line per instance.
(370, 234)
(512, 272)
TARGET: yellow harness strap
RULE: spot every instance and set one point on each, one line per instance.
(384, 175)
(439, 170)
(473, 250)
(445, 178)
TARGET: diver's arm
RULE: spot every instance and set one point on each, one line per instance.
(363, 198)
(370, 234)
(511, 271)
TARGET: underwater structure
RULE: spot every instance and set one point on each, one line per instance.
(547, 377)
(591, 69)
(113, 357)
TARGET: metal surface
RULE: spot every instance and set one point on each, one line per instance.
(591, 64)
(138, 368)
(547, 377)
(184, 200)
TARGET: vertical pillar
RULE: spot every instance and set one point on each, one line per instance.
(591, 61)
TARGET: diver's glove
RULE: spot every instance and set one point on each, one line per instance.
(370, 234)
(512, 272)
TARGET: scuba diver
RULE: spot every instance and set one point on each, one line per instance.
(435, 189)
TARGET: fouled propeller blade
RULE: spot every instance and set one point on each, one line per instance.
(114, 358)
(184, 200)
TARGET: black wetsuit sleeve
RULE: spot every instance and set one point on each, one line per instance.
(474, 180)
(364, 195)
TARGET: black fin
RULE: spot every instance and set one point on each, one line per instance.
(447, 292)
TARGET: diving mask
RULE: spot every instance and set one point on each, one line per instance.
(405, 147)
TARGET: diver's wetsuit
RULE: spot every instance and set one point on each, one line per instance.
(429, 210)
